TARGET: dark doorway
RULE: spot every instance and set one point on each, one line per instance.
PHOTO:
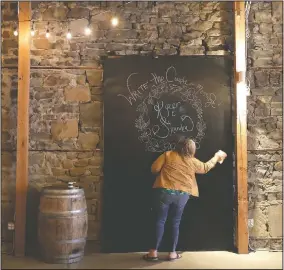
(147, 102)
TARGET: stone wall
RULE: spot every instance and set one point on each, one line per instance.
(66, 135)
(265, 124)
(9, 84)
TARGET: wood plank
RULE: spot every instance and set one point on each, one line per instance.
(22, 126)
(98, 68)
(241, 128)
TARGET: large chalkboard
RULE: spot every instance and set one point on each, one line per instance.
(147, 103)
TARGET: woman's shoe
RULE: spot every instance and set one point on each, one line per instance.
(148, 258)
(176, 258)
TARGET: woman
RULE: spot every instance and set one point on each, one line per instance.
(174, 184)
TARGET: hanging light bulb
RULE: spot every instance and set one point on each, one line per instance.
(32, 31)
(69, 35)
(15, 32)
(47, 34)
(114, 21)
(88, 31)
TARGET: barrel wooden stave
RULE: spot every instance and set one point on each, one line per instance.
(63, 225)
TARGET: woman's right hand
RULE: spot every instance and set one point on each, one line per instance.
(217, 156)
(220, 155)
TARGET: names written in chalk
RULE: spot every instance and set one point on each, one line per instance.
(165, 128)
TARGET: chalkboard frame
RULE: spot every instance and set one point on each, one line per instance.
(193, 57)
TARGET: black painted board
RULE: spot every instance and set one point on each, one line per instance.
(147, 103)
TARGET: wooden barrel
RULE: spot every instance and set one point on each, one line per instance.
(62, 224)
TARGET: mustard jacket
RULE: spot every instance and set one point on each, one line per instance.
(178, 173)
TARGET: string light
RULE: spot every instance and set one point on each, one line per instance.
(88, 31)
(15, 32)
(32, 31)
(114, 21)
(69, 35)
(47, 34)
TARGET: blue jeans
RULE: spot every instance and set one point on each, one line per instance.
(163, 202)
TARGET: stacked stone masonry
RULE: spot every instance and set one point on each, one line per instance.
(9, 84)
(265, 118)
(66, 105)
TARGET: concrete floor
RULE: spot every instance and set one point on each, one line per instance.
(190, 260)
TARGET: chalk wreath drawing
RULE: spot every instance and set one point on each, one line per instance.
(150, 92)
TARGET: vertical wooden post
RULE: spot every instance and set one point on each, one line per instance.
(241, 127)
(22, 126)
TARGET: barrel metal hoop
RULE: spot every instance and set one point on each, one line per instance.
(71, 256)
(72, 241)
(64, 192)
(63, 196)
(64, 213)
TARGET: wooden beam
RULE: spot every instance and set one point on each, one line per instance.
(241, 128)
(55, 67)
(22, 126)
